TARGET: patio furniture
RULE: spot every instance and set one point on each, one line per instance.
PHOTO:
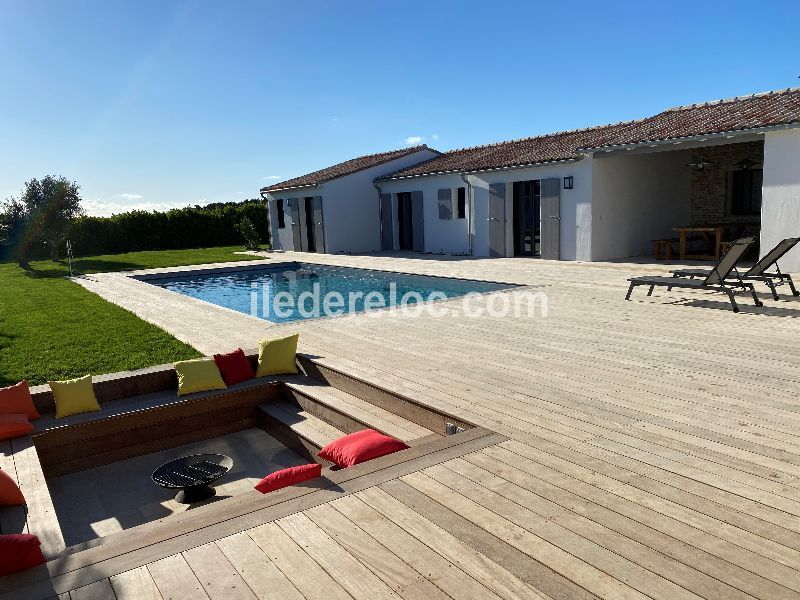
(192, 475)
(706, 232)
(759, 271)
(716, 280)
(663, 248)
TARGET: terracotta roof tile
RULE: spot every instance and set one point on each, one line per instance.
(347, 167)
(736, 114)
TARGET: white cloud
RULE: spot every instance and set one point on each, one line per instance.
(435, 136)
(131, 196)
(414, 139)
(272, 177)
(104, 208)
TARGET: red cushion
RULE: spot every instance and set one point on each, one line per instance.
(234, 367)
(286, 477)
(9, 491)
(359, 447)
(18, 552)
(12, 426)
(17, 399)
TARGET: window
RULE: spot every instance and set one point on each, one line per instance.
(746, 192)
(462, 203)
(281, 216)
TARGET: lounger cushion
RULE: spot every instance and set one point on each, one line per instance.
(277, 356)
(9, 491)
(17, 399)
(74, 396)
(12, 426)
(19, 552)
(286, 477)
(198, 375)
(234, 367)
(359, 447)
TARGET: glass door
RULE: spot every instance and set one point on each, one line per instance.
(527, 218)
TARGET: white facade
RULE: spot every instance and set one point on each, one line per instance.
(780, 203)
(350, 207)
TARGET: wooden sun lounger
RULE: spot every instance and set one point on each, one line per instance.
(715, 280)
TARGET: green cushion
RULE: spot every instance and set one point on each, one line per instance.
(277, 356)
(198, 375)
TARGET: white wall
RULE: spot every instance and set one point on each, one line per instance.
(442, 236)
(637, 198)
(780, 205)
(350, 207)
(285, 236)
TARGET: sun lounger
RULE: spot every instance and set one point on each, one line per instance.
(760, 270)
(716, 279)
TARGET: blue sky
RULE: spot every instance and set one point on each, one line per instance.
(169, 103)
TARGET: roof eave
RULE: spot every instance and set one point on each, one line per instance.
(689, 138)
(269, 190)
(543, 163)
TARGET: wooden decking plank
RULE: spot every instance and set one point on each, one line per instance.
(447, 576)
(352, 575)
(256, 568)
(99, 590)
(136, 584)
(219, 578)
(305, 574)
(175, 579)
(398, 575)
(489, 573)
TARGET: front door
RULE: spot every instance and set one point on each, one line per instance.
(310, 238)
(551, 218)
(497, 219)
(404, 222)
(527, 218)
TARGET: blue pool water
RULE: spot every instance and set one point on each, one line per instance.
(294, 291)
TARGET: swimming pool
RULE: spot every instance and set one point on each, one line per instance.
(295, 291)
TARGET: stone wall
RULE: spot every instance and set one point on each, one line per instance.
(710, 185)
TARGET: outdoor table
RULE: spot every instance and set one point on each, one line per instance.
(707, 232)
(192, 475)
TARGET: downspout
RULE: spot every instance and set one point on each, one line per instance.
(471, 204)
(263, 196)
(377, 186)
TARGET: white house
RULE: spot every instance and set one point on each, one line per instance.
(599, 193)
(335, 209)
(607, 192)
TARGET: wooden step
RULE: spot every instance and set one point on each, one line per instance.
(295, 428)
(350, 413)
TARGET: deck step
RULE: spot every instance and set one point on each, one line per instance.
(311, 431)
(350, 413)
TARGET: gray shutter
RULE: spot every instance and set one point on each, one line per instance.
(294, 207)
(497, 219)
(387, 223)
(551, 218)
(319, 225)
(275, 239)
(418, 221)
(445, 204)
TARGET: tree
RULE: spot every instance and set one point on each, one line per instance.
(44, 213)
(248, 231)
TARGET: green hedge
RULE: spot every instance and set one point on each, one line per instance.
(194, 227)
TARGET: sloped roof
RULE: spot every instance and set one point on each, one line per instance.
(722, 116)
(342, 169)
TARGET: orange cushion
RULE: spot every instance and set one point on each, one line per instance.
(9, 491)
(17, 399)
(12, 426)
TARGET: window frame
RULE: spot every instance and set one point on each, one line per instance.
(732, 188)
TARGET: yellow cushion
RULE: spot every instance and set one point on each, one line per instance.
(74, 396)
(198, 375)
(277, 356)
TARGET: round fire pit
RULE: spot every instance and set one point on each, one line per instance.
(192, 475)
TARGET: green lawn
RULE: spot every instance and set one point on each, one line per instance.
(52, 328)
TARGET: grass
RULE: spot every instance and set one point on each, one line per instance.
(52, 328)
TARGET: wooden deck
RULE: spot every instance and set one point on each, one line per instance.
(653, 451)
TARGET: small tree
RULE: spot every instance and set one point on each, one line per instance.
(44, 212)
(252, 241)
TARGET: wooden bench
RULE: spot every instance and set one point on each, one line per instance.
(663, 248)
